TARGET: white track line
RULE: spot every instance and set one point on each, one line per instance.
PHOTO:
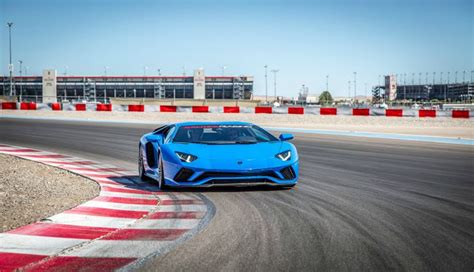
(119, 249)
(136, 207)
(17, 243)
(113, 222)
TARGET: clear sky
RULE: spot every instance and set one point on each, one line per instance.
(305, 40)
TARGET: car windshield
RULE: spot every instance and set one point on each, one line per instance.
(222, 134)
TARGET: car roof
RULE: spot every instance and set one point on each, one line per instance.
(180, 124)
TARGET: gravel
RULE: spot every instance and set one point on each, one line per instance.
(444, 127)
(31, 191)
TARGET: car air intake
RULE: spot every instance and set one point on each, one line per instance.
(150, 155)
(237, 174)
(183, 175)
(288, 173)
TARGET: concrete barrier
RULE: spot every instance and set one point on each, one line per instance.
(200, 108)
(103, 107)
(328, 111)
(394, 112)
(361, 112)
(422, 113)
(295, 110)
(27, 106)
(136, 108)
(229, 109)
(426, 113)
(460, 114)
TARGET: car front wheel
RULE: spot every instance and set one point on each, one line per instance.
(141, 168)
(161, 175)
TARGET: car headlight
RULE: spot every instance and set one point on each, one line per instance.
(185, 157)
(284, 156)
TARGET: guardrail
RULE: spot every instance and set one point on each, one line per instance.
(422, 113)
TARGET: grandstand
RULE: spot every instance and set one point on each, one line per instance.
(51, 88)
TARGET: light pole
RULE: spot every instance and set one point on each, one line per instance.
(10, 66)
(159, 71)
(419, 78)
(105, 83)
(184, 70)
(446, 88)
(65, 70)
(266, 84)
(21, 78)
(349, 89)
(355, 85)
(404, 88)
(327, 83)
(463, 76)
(456, 77)
(275, 71)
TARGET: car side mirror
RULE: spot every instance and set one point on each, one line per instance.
(155, 138)
(286, 137)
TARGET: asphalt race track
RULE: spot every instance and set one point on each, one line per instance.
(361, 204)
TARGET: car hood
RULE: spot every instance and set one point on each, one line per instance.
(234, 156)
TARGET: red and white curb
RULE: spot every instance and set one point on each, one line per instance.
(127, 222)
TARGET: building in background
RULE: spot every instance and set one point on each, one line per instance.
(391, 87)
(51, 88)
(394, 91)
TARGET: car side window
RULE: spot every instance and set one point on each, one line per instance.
(168, 134)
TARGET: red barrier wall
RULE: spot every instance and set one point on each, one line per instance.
(9, 105)
(104, 107)
(80, 107)
(295, 110)
(263, 110)
(56, 106)
(460, 114)
(427, 113)
(328, 111)
(360, 112)
(165, 108)
(394, 112)
(139, 108)
(200, 108)
(27, 106)
(228, 109)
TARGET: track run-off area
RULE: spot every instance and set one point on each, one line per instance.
(361, 204)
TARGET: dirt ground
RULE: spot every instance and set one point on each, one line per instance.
(31, 191)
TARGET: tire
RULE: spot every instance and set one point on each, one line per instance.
(161, 180)
(141, 168)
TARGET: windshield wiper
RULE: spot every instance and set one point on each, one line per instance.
(246, 142)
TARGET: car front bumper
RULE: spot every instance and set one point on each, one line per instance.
(280, 176)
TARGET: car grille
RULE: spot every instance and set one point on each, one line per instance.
(239, 181)
(288, 172)
(221, 175)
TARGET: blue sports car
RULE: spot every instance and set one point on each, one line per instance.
(204, 154)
